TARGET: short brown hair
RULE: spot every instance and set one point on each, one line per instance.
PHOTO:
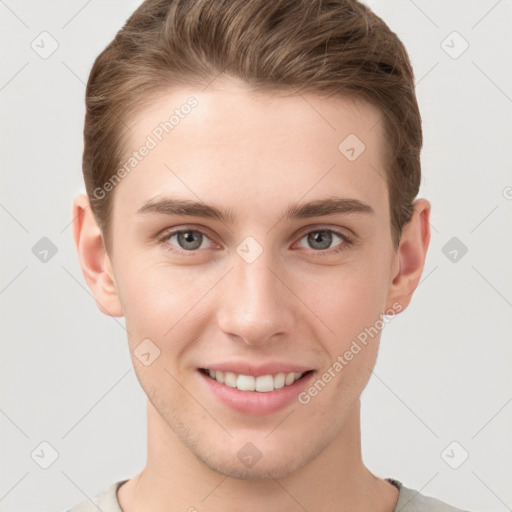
(333, 47)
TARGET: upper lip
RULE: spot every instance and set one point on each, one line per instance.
(256, 370)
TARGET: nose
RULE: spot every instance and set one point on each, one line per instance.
(255, 307)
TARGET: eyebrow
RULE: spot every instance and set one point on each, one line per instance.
(317, 208)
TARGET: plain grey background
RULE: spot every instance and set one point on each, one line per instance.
(442, 385)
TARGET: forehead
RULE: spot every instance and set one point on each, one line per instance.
(227, 144)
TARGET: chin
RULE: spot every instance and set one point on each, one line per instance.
(277, 455)
(265, 469)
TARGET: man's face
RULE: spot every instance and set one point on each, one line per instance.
(261, 293)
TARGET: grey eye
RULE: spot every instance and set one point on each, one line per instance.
(321, 239)
(189, 240)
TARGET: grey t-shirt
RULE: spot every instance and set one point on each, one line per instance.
(408, 501)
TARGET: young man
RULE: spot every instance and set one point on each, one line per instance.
(251, 171)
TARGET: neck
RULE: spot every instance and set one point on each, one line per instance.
(174, 479)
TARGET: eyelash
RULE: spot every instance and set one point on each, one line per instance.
(346, 244)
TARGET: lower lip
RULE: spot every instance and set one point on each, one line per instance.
(255, 402)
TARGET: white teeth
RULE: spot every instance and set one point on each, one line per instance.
(289, 379)
(230, 379)
(245, 383)
(262, 384)
(279, 381)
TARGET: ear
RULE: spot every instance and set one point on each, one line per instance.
(410, 256)
(93, 257)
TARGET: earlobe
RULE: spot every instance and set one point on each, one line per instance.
(93, 258)
(410, 256)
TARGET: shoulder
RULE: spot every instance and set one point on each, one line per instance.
(410, 500)
(106, 501)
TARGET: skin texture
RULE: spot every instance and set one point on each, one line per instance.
(253, 154)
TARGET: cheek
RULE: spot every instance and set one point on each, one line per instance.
(347, 298)
(159, 298)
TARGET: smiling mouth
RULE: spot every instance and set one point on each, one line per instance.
(261, 384)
